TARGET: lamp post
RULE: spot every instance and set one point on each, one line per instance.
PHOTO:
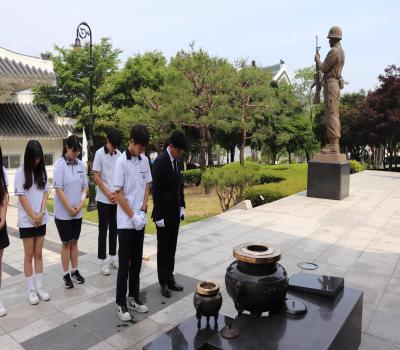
(82, 32)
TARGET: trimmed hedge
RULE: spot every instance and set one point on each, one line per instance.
(192, 177)
(356, 166)
(295, 180)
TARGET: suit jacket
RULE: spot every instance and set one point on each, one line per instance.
(167, 188)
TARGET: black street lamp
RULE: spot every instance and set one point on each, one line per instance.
(83, 31)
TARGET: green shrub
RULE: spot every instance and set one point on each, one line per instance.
(192, 177)
(229, 182)
(356, 166)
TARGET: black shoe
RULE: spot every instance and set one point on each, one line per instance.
(165, 291)
(175, 286)
(67, 281)
(77, 278)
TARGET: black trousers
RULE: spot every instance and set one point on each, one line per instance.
(130, 253)
(107, 221)
(166, 247)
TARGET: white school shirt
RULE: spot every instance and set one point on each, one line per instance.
(71, 178)
(104, 163)
(34, 195)
(131, 174)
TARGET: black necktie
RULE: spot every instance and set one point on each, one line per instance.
(175, 165)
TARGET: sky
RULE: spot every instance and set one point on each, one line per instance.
(260, 30)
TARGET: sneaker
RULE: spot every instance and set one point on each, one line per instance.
(123, 313)
(138, 306)
(42, 294)
(3, 310)
(105, 270)
(114, 264)
(77, 278)
(67, 281)
(33, 297)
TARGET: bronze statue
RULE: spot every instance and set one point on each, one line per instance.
(332, 84)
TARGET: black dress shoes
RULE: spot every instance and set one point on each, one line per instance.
(165, 291)
(175, 286)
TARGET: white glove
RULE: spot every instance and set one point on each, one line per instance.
(143, 216)
(160, 223)
(137, 222)
(183, 213)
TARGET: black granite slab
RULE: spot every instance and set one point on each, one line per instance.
(328, 180)
(325, 286)
(333, 325)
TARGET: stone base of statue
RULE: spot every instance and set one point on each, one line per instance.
(328, 176)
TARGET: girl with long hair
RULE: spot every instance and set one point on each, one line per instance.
(32, 188)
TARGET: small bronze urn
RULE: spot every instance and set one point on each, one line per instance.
(207, 301)
(255, 281)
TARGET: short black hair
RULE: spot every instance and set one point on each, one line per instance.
(178, 139)
(114, 138)
(140, 135)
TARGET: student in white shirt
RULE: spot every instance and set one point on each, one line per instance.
(103, 169)
(4, 241)
(132, 180)
(70, 183)
(32, 188)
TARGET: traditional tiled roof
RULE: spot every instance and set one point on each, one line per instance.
(12, 68)
(27, 120)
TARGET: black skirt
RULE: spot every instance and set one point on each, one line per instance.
(4, 241)
(32, 232)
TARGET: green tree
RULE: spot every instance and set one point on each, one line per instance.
(198, 99)
(252, 97)
(69, 97)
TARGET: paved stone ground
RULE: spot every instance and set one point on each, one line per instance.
(358, 238)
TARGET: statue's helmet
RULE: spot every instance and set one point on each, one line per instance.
(335, 33)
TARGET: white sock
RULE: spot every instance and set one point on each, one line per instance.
(74, 269)
(113, 258)
(29, 283)
(38, 280)
(104, 262)
(65, 272)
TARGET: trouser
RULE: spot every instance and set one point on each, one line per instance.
(107, 221)
(130, 254)
(331, 100)
(166, 247)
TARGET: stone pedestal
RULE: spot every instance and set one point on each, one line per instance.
(328, 176)
(328, 325)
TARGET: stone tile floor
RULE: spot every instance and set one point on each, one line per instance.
(358, 238)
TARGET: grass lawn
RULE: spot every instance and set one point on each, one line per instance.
(198, 206)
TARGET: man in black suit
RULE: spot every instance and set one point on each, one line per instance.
(169, 208)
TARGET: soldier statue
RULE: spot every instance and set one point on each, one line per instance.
(332, 83)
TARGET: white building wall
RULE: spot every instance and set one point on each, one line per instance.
(17, 147)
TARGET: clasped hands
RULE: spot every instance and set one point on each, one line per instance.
(37, 219)
(139, 220)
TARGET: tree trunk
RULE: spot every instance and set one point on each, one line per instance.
(202, 159)
(209, 149)
(242, 146)
(233, 153)
(307, 155)
(243, 137)
(289, 157)
(227, 155)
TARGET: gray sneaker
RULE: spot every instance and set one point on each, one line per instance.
(138, 306)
